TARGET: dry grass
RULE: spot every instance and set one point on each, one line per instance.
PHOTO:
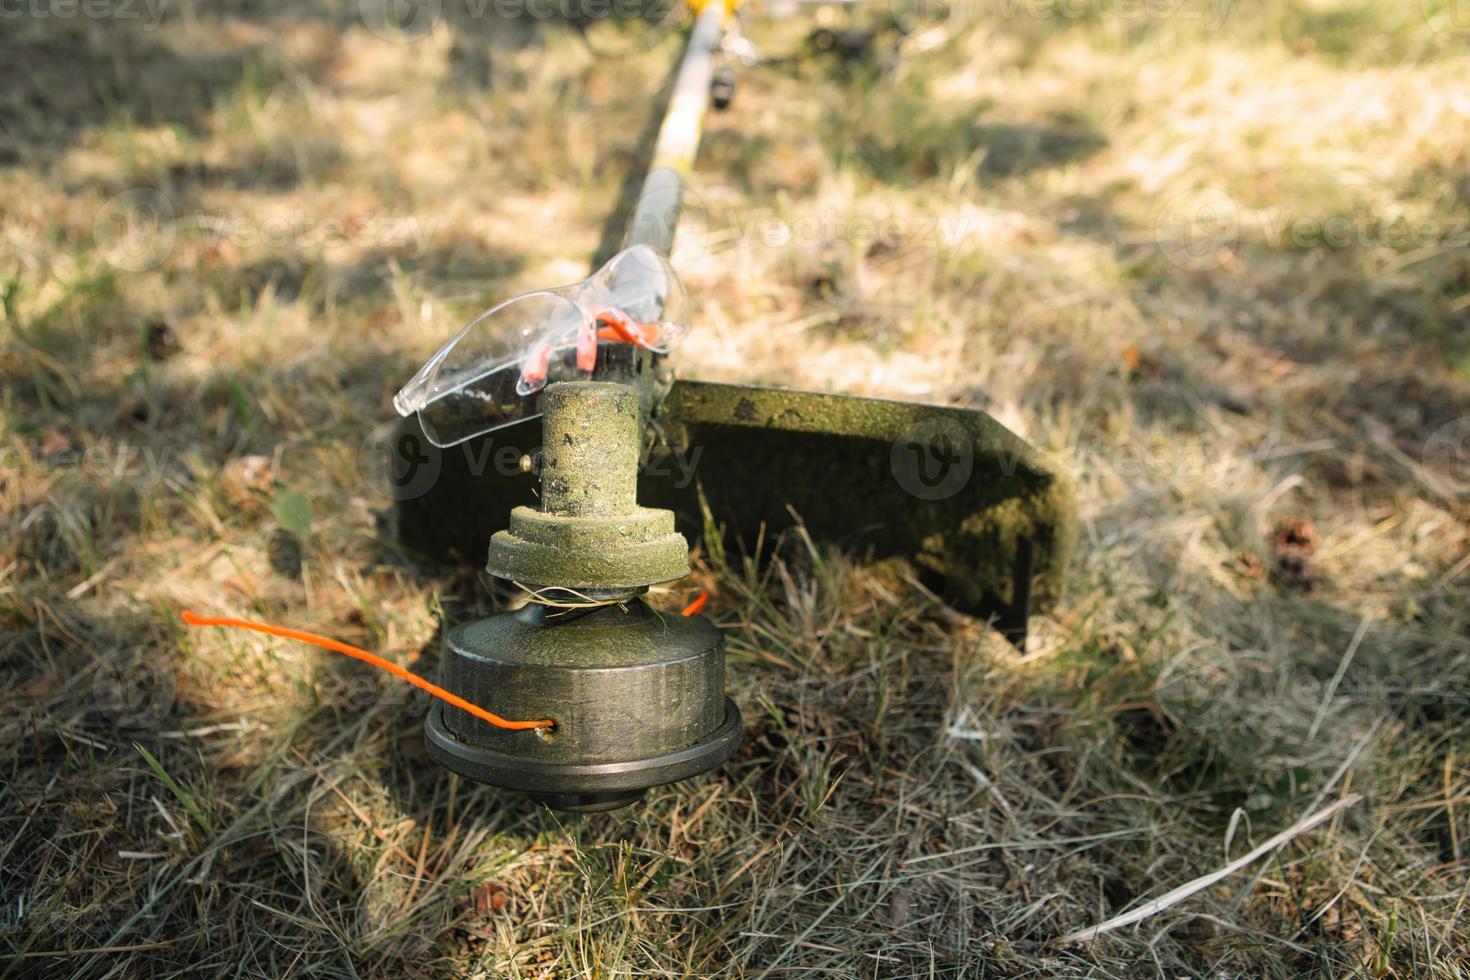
(1099, 228)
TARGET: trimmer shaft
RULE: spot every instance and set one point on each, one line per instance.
(589, 533)
(637, 695)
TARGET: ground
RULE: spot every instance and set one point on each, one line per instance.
(1211, 255)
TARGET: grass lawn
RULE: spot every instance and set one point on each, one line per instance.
(1213, 255)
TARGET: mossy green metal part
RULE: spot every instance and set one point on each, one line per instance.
(589, 533)
(971, 505)
(973, 510)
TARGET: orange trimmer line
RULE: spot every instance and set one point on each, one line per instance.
(614, 324)
(327, 643)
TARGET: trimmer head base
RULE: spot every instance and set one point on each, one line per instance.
(638, 697)
(581, 787)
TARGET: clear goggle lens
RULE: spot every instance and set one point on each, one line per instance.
(489, 375)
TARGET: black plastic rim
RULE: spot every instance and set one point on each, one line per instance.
(549, 780)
